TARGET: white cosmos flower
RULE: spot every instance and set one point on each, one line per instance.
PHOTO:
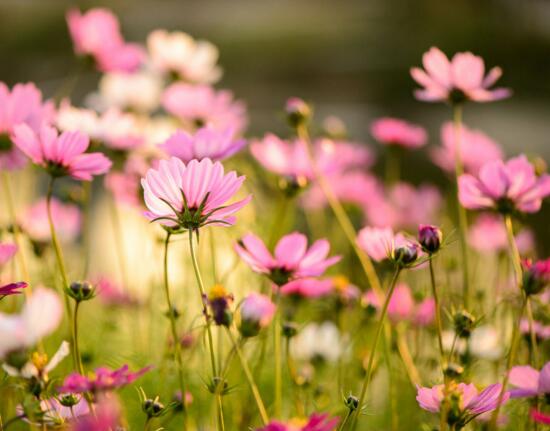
(317, 340)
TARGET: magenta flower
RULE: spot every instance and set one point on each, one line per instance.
(469, 402)
(97, 33)
(540, 417)
(22, 105)
(206, 142)
(424, 313)
(193, 195)
(308, 288)
(529, 382)
(292, 258)
(202, 105)
(476, 149)
(7, 251)
(111, 293)
(39, 317)
(461, 79)
(12, 288)
(67, 221)
(393, 131)
(401, 305)
(536, 275)
(257, 311)
(61, 155)
(504, 186)
(488, 234)
(316, 422)
(101, 380)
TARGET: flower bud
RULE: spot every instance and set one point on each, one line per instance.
(220, 302)
(405, 255)
(152, 407)
(464, 323)
(257, 311)
(351, 402)
(430, 238)
(81, 291)
(69, 400)
(298, 112)
(289, 329)
(453, 370)
(536, 276)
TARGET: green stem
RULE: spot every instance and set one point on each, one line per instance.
(177, 346)
(462, 218)
(279, 220)
(393, 165)
(438, 323)
(278, 359)
(250, 378)
(76, 347)
(342, 426)
(372, 353)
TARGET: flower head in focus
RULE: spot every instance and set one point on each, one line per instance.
(393, 131)
(456, 81)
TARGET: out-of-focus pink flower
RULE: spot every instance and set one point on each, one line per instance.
(378, 243)
(97, 33)
(101, 380)
(403, 206)
(461, 79)
(192, 195)
(476, 149)
(401, 305)
(61, 155)
(12, 288)
(125, 185)
(206, 142)
(119, 130)
(257, 311)
(529, 382)
(7, 251)
(542, 332)
(179, 54)
(111, 293)
(316, 422)
(39, 317)
(344, 289)
(308, 288)
(393, 131)
(105, 418)
(292, 258)
(67, 221)
(488, 234)
(22, 105)
(424, 313)
(202, 105)
(471, 402)
(540, 417)
(536, 275)
(505, 187)
(54, 411)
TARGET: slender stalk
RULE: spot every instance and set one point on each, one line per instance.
(393, 165)
(250, 378)
(60, 264)
(342, 426)
(76, 347)
(177, 345)
(462, 218)
(372, 353)
(438, 323)
(391, 385)
(278, 359)
(406, 357)
(279, 220)
(340, 213)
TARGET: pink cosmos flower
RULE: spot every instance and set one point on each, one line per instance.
(22, 105)
(505, 187)
(476, 149)
(125, 185)
(193, 195)
(292, 258)
(206, 142)
(403, 206)
(119, 130)
(424, 313)
(106, 416)
(542, 332)
(103, 379)
(61, 154)
(202, 105)
(316, 422)
(488, 234)
(54, 411)
(463, 78)
(540, 417)
(378, 243)
(308, 288)
(97, 33)
(529, 382)
(67, 221)
(12, 289)
(39, 317)
(393, 131)
(257, 311)
(401, 305)
(472, 402)
(111, 293)
(7, 251)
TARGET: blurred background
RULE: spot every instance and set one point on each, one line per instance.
(349, 58)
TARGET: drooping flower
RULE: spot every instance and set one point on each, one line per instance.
(316, 422)
(202, 105)
(292, 258)
(96, 33)
(66, 218)
(193, 195)
(393, 131)
(61, 155)
(476, 149)
(465, 401)
(529, 382)
(12, 288)
(22, 105)
(321, 341)
(488, 234)
(206, 142)
(177, 53)
(7, 251)
(256, 311)
(307, 288)
(39, 317)
(504, 186)
(101, 380)
(456, 81)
